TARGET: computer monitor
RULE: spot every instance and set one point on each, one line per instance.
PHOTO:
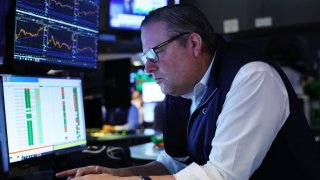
(61, 34)
(43, 116)
(151, 95)
(128, 14)
(138, 77)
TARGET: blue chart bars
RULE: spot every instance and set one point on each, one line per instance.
(60, 32)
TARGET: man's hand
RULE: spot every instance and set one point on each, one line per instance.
(77, 172)
(104, 177)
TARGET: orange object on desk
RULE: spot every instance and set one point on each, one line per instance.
(108, 129)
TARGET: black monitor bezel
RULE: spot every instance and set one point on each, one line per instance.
(4, 154)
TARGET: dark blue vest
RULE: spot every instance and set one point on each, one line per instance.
(293, 154)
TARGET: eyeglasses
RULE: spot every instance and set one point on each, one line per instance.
(152, 54)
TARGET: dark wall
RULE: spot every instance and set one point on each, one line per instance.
(295, 28)
(283, 12)
(3, 15)
(110, 82)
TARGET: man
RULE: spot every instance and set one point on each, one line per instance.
(133, 115)
(230, 112)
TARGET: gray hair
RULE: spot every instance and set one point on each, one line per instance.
(184, 18)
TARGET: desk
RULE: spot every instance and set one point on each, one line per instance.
(146, 151)
(119, 138)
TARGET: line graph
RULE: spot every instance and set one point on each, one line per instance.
(62, 9)
(60, 44)
(86, 48)
(62, 5)
(29, 37)
(24, 33)
(88, 13)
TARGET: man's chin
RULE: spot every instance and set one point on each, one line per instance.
(167, 91)
(171, 93)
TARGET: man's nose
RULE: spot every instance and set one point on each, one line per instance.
(150, 67)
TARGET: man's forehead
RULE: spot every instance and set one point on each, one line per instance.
(153, 34)
(154, 27)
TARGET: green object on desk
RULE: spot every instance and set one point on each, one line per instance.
(157, 139)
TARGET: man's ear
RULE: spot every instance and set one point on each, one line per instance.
(196, 43)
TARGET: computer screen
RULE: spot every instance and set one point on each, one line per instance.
(151, 95)
(138, 77)
(60, 33)
(151, 92)
(128, 14)
(43, 116)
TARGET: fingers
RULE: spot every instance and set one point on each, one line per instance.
(94, 177)
(66, 173)
(106, 170)
(70, 177)
(100, 170)
(77, 172)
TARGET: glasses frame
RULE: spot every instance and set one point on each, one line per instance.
(152, 55)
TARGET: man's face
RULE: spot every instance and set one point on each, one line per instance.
(174, 71)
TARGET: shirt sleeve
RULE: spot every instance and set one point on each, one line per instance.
(254, 111)
(172, 165)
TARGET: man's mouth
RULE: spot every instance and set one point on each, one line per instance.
(158, 80)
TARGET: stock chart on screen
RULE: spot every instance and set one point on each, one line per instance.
(61, 32)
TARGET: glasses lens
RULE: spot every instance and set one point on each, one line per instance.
(144, 58)
(150, 55)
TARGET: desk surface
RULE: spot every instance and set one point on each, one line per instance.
(147, 151)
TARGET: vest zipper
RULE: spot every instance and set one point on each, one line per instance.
(199, 108)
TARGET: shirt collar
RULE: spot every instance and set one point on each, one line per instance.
(201, 85)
